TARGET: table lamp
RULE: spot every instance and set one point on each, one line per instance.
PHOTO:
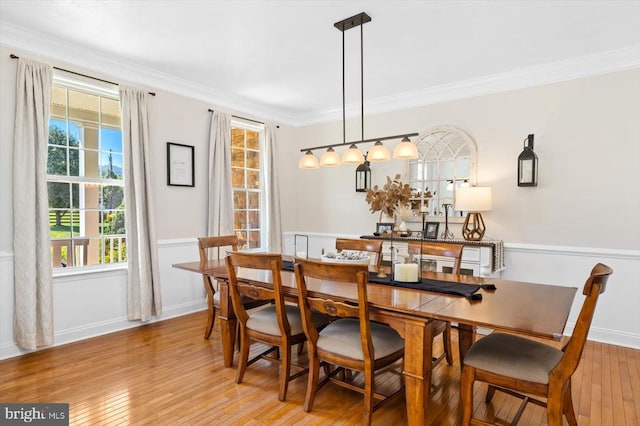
(473, 200)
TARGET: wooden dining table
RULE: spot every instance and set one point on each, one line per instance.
(536, 310)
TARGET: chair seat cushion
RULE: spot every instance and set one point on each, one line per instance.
(266, 321)
(514, 356)
(343, 337)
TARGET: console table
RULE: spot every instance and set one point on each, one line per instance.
(483, 258)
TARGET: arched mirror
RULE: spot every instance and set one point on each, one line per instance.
(447, 161)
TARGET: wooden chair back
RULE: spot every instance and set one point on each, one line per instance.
(371, 246)
(205, 243)
(357, 274)
(239, 289)
(430, 248)
(593, 288)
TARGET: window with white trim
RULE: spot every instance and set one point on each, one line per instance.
(85, 176)
(247, 177)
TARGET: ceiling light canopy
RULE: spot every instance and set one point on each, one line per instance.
(404, 151)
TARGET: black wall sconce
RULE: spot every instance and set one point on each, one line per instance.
(363, 176)
(528, 164)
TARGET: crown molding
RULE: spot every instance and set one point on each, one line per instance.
(109, 67)
(56, 50)
(569, 69)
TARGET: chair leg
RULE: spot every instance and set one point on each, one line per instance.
(210, 321)
(300, 348)
(467, 378)
(491, 390)
(285, 371)
(446, 343)
(568, 405)
(312, 381)
(367, 409)
(244, 356)
(554, 405)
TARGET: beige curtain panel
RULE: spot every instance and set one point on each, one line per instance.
(220, 211)
(143, 284)
(33, 276)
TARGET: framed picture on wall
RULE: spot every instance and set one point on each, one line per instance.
(180, 160)
(431, 230)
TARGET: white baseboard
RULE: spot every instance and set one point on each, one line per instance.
(88, 331)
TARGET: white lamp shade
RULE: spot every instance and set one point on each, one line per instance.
(330, 158)
(473, 199)
(405, 150)
(378, 153)
(308, 161)
(352, 156)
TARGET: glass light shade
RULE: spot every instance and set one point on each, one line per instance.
(405, 150)
(308, 161)
(330, 158)
(352, 156)
(378, 153)
(473, 199)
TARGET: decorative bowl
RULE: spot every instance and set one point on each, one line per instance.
(347, 257)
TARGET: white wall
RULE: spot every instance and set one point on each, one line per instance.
(587, 137)
(583, 211)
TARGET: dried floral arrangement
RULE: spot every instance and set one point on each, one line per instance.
(394, 193)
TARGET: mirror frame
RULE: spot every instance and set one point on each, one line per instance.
(422, 142)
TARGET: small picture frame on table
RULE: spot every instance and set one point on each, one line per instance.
(384, 228)
(430, 230)
(180, 160)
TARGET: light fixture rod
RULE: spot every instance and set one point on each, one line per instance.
(408, 135)
(361, 83)
(344, 131)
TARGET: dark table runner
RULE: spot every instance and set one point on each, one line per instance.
(470, 291)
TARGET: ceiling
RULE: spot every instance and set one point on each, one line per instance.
(281, 60)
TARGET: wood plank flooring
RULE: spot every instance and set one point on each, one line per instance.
(166, 374)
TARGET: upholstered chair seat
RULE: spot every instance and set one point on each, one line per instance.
(513, 356)
(343, 337)
(266, 320)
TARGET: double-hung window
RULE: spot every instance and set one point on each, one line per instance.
(247, 177)
(85, 177)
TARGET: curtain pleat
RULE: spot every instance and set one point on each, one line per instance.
(274, 217)
(143, 284)
(33, 276)
(220, 207)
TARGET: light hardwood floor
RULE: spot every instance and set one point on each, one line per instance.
(167, 374)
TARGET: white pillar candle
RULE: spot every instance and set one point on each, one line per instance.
(301, 254)
(400, 273)
(411, 272)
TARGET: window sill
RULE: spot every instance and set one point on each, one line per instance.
(88, 270)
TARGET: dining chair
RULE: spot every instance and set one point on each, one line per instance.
(213, 298)
(370, 246)
(453, 251)
(515, 365)
(351, 342)
(278, 325)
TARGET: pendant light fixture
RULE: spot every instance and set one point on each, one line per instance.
(406, 150)
(353, 155)
(330, 158)
(379, 153)
(308, 161)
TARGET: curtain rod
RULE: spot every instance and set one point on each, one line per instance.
(245, 118)
(12, 56)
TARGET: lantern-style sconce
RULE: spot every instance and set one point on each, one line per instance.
(528, 165)
(363, 176)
